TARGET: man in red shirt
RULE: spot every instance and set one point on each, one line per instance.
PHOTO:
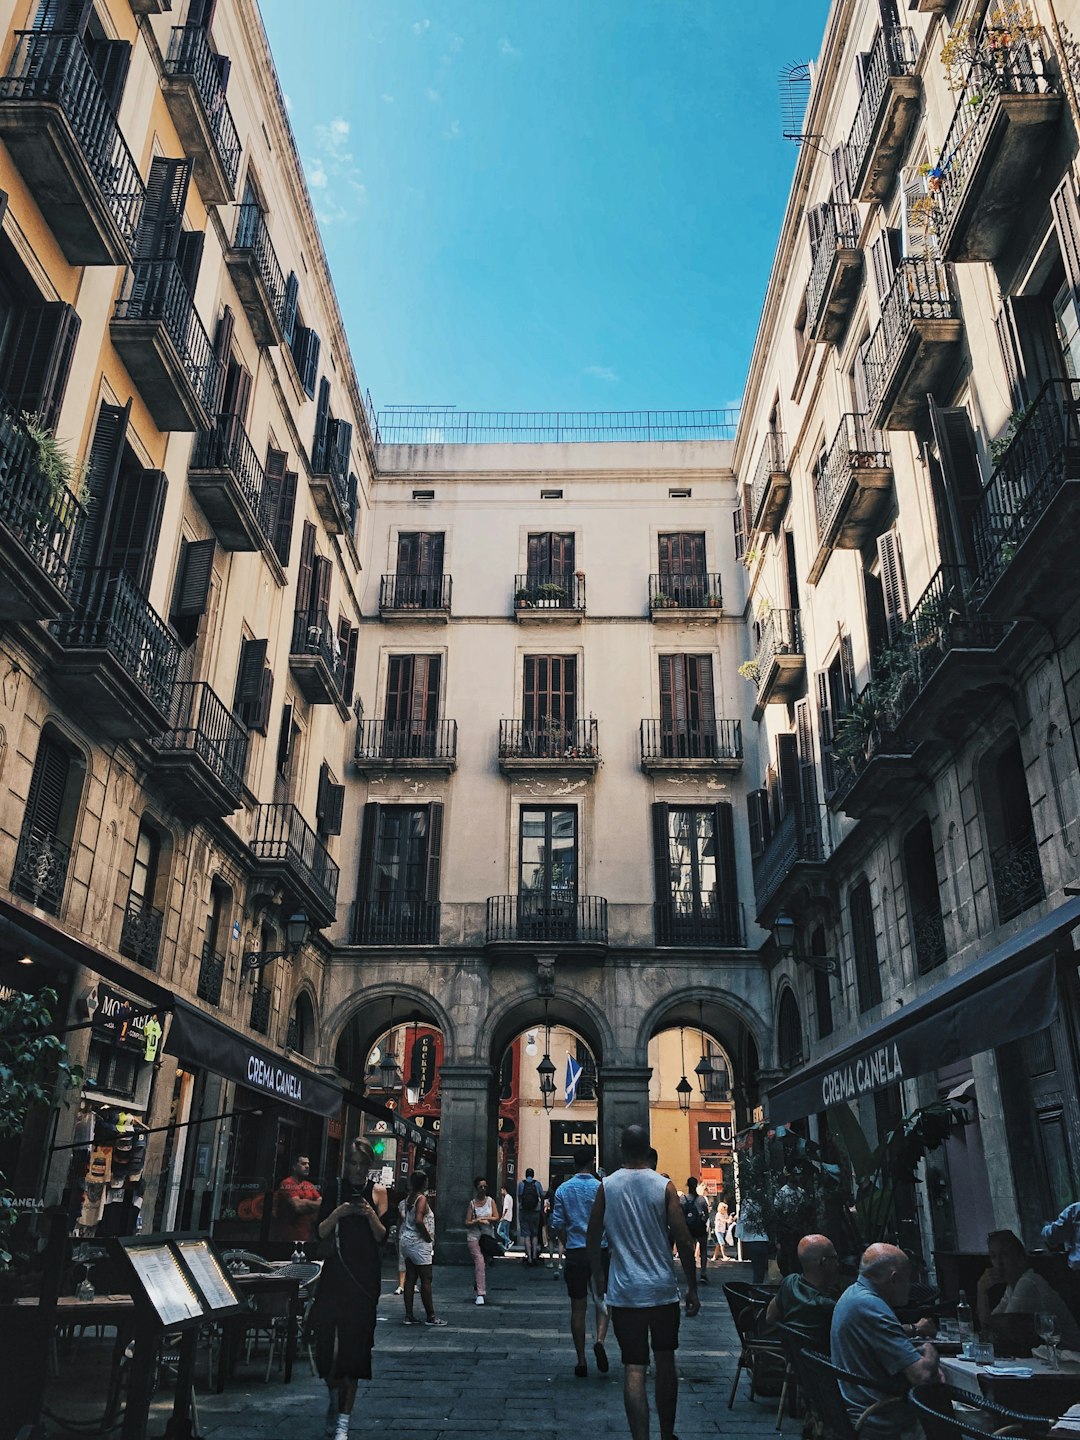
(296, 1203)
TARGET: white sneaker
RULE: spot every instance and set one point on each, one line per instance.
(342, 1431)
(479, 1300)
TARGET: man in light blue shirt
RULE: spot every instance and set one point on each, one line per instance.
(570, 1215)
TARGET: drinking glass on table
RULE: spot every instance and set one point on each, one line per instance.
(1048, 1329)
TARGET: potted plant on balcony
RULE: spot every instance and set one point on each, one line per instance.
(61, 475)
(523, 598)
(550, 595)
(662, 601)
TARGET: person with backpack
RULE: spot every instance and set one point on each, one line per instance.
(530, 1213)
(695, 1209)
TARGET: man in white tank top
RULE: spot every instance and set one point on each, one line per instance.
(640, 1214)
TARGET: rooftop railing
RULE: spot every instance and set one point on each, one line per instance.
(444, 425)
(157, 290)
(190, 54)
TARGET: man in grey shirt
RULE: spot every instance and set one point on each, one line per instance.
(869, 1340)
(640, 1214)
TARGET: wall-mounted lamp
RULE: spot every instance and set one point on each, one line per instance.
(296, 932)
(783, 933)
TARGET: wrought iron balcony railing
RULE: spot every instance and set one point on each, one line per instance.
(771, 462)
(253, 236)
(200, 723)
(855, 447)
(140, 935)
(314, 635)
(691, 740)
(281, 836)
(549, 591)
(797, 838)
(839, 231)
(157, 290)
(549, 740)
(415, 592)
(928, 938)
(190, 55)
(42, 515)
(710, 922)
(781, 634)
(396, 742)
(556, 919)
(396, 922)
(1042, 456)
(41, 867)
(921, 290)
(1017, 876)
(261, 1003)
(211, 975)
(227, 447)
(112, 614)
(53, 65)
(685, 592)
(894, 52)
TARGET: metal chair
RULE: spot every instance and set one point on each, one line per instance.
(756, 1352)
(947, 1412)
(821, 1383)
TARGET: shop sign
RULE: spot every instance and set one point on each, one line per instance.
(422, 1065)
(114, 1020)
(565, 1134)
(275, 1080)
(711, 1133)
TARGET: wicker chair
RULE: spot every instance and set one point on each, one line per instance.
(820, 1379)
(758, 1354)
(948, 1413)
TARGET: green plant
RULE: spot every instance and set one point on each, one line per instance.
(753, 555)
(661, 601)
(1000, 446)
(60, 473)
(523, 596)
(551, 591)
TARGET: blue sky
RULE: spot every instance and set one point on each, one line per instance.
(546, 204)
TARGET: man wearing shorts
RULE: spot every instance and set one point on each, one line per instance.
(530, 1212)
(639, 1211)
(570, 1222)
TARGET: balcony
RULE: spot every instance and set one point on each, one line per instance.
(333, 490)
(877, 777)
(211, 975)
(257, 275)
(262, 1003)
(1017, 877)
(415, 597)
(713, 924)
(836, 267)
(556, 919)
(888, 108)
(140, 936)
(57, 123)
(1006, 110)
(151, 7)
(196, 100)
(396, 922)
(541, 599)
(227, 479)
(317, 662)
(770, 486)
(793, 860)
(779, 666)
(121, 657)
(678, 598)
(41, 867)
(286, 849)
(852, 491)
(928, 939)
(405, 745)
(40, 522)
(201, 758)
(914, 347)
(570, 748)
(161, 340)
(706, 745)
(1027, 517)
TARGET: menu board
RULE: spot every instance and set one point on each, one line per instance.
(167, 1287)
(209, 1274)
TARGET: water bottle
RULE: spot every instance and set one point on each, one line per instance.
(298, 1256)
(85, 1291)
(963, 1318)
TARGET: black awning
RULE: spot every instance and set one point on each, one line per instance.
(202, 1040)
(1007, 994)
(396, 1124)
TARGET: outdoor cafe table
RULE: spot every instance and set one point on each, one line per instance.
(1024, 1393)
(291, 1278)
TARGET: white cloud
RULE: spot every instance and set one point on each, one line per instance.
(288, 103)
(333, 174)
(387, 99)
(432, 95)
(507, 50)
(419, 26)
(453, 132)
(318, 178)
(602, 372)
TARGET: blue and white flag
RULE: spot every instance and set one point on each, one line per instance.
(573, 1075)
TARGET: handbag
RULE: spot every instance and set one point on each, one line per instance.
(490, 1247)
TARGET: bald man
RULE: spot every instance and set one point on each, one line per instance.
(806, 1300)
(868, 1339)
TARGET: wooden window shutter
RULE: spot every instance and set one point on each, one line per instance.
(893, 582)
(740, 532)
(847, 671)
(434, 851)
(37, 360)
(63, 15)
(45, 799)
(815, 224)
(349, 637)
(319, 456)
(288, 307)
(223, 337)
(201, 13)
(955, 440)
(192, 587)
(807, 770)
(273, 471)
(321, 571)
(787, 765)
(261, 718)
(757, 817)
(840, 178)
(283, 521)
(307, 569)
(883, 264)
(189, 252)
(249, 673)
(661, 849)
(727, 880)
(826, 731)
(864, 942)
(285, 741)
(308, 364)
(699, 689)
(369, 828)
(341, 445)
(354, 503)
(1010, 351)
(103, 469)
(330, 804)
(163, 209)
(1066, 213)
(110, 60)
(135, 524)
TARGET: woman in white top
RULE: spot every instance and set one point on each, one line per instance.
(480, 1219)
(721, 1221)
(417, 1247)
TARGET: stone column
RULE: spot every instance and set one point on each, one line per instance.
(466, 1148)
(624, 1100)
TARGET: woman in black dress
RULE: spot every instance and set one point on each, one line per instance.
(351, 1218)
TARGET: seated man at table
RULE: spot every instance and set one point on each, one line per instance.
(296, 1204)
(1027, 1293)
(868, 1340)
(806, 1300)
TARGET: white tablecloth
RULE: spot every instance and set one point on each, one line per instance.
(964, 1374)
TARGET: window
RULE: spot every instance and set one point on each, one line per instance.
(864, 943)
(412, 704)
(124, 506)
(836, 694)
(304, 346)
(550, 704)
(789, 1037)
(191, 588)
(37, 344)
(44, 850)
(289, 736)
(254, 686)
(330, 803)
(215, 943)
(924, 898)
(300, 1035)
(822, 990)
(548, 856)
(111, 1070)
(419, 569)
(550, 559)
(687, 707)
(697, 896)
(332, 442)
(1015, 869)
(140, 937)
(281, 487)
(398, 889)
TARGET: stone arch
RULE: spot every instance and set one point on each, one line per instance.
(680, 1007)
(305, 992)
(524, 1010)
(377, 1003)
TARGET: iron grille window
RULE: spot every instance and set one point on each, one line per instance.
(864, 942)
(110, 1070)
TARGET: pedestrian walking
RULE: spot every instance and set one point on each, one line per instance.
(640, 1213)
(751, 1233)
(695, 1210)
(417, 1241)
(570, 1212)
(530, 1213)
(480, 1220)
(507, 1220)
(351, 1217)
(721, 1224)
(397, 1245)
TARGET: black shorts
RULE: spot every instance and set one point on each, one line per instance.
(576, 1272)
(343, 1346)
(635, 1328)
